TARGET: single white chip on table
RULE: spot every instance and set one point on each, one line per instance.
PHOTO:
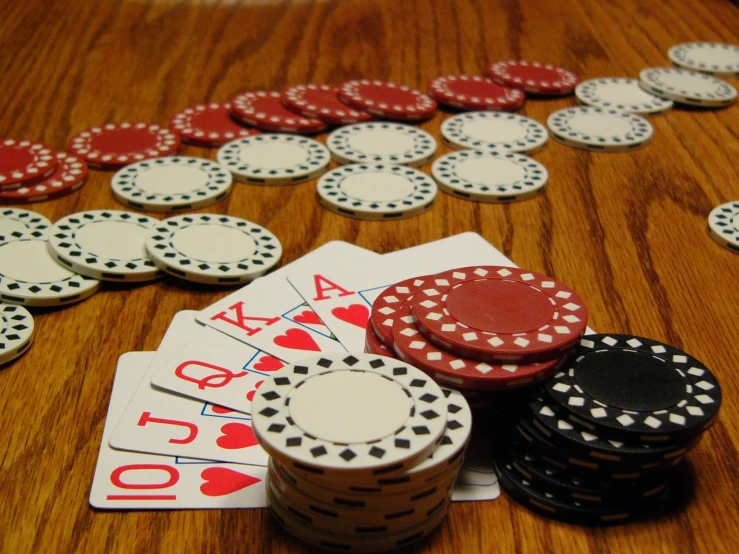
(104, 244)
(723, 223)
(17, 223)
(600, 130)
(381, 142)
(687, 87)
(16, 332)
(497, 131)
(618, 93)
(715, 58)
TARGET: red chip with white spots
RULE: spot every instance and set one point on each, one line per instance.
(534, 77)
(265, 111)
(321, 102)
(23, 162)
(387, 100)
(70, 175)
(386, 305)
(208, 125)
(472, 92)
(373, 345)
(117, 144)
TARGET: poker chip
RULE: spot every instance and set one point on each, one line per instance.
(386, 305)
(104, 244)
(172, 183)
(321, 102)
(208, 125)
(501, 314)
(723, 224)
(489, 176)
(264, 110)
(373, 344)
(376, 191)
(117, 144)
(274, 159)
(687, 87)
(387, 100)
(599, 129)
(715, 58)
(636, 387)
(494, 131)
(213, 249)
(16, 223)
(390, 143)
(30, 276)
(534, 77)
(69, 175)
(472, 92)
(617, 93)
(23, 162)
(16, 332)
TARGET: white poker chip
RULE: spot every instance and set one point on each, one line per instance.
(171, 184)
(376, 191)
(213, 249)
(715, 58)
(16, 332)
(274, 159)
(17, 223)
(687, 87)
(104, 244)
(618, 93)
(489, 176)
(723, 223)
(497, 131)
(381, 142)
(351, 413)
(31, 277)
(600, 130)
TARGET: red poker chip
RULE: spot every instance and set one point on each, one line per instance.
(387, 100)
(472, 92)
(117, 144)
(373, 345)
(385, 306)
(23, 162)
(321, 102)
(501, 314)
(265, 111)
(208, 125)
(534, 77)
(70, 175)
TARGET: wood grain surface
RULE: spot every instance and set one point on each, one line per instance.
(627, 231)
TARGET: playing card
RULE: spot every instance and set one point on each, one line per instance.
(271, 316)
(477, 479)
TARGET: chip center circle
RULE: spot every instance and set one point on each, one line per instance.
(30, 262)
(600, 125)
(273, 155)
(490, 171)
(213, 243)
(123, 141)
(377, 186)
(9, 226)
(171, 179)
(381, 142)
(495, 130)
(115, 240)
(15, 159)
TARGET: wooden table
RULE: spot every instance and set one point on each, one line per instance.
(627, 231)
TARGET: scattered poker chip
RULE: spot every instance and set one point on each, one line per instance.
(501, 314)
(636, 388)
(171, 183)
(376, 191)
(489, 176)
(104, 244)
(23, 162)
(321, 414)
(534, 77)
(391, 143)
(617, 93)
(723, 224)
(373, 344)
(213, 249)
(265, 111)
(70, 175)
(16, 223)
(599, 129)
(687, 87)
(16, 332)
(117, 144)
(274, 159)
(208, 125)
(321, 102)
(494, 131)
(387, 100)
(715, 58)
(472, 92)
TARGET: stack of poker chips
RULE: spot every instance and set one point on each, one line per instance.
(364, 450)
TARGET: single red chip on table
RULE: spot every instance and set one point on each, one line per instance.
(265, 111)
(117, 144)
(472, 92)
(387, 100)
(322, 102)
(534, 77)
(208, 125)
(70, 175)
(23, 162)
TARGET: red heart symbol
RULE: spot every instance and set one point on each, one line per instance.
(220, 481)
(309, 317)
(268, 363)
(235, 436)
(297, 339)
(356, 314)
(220, 409)
(250, 394)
